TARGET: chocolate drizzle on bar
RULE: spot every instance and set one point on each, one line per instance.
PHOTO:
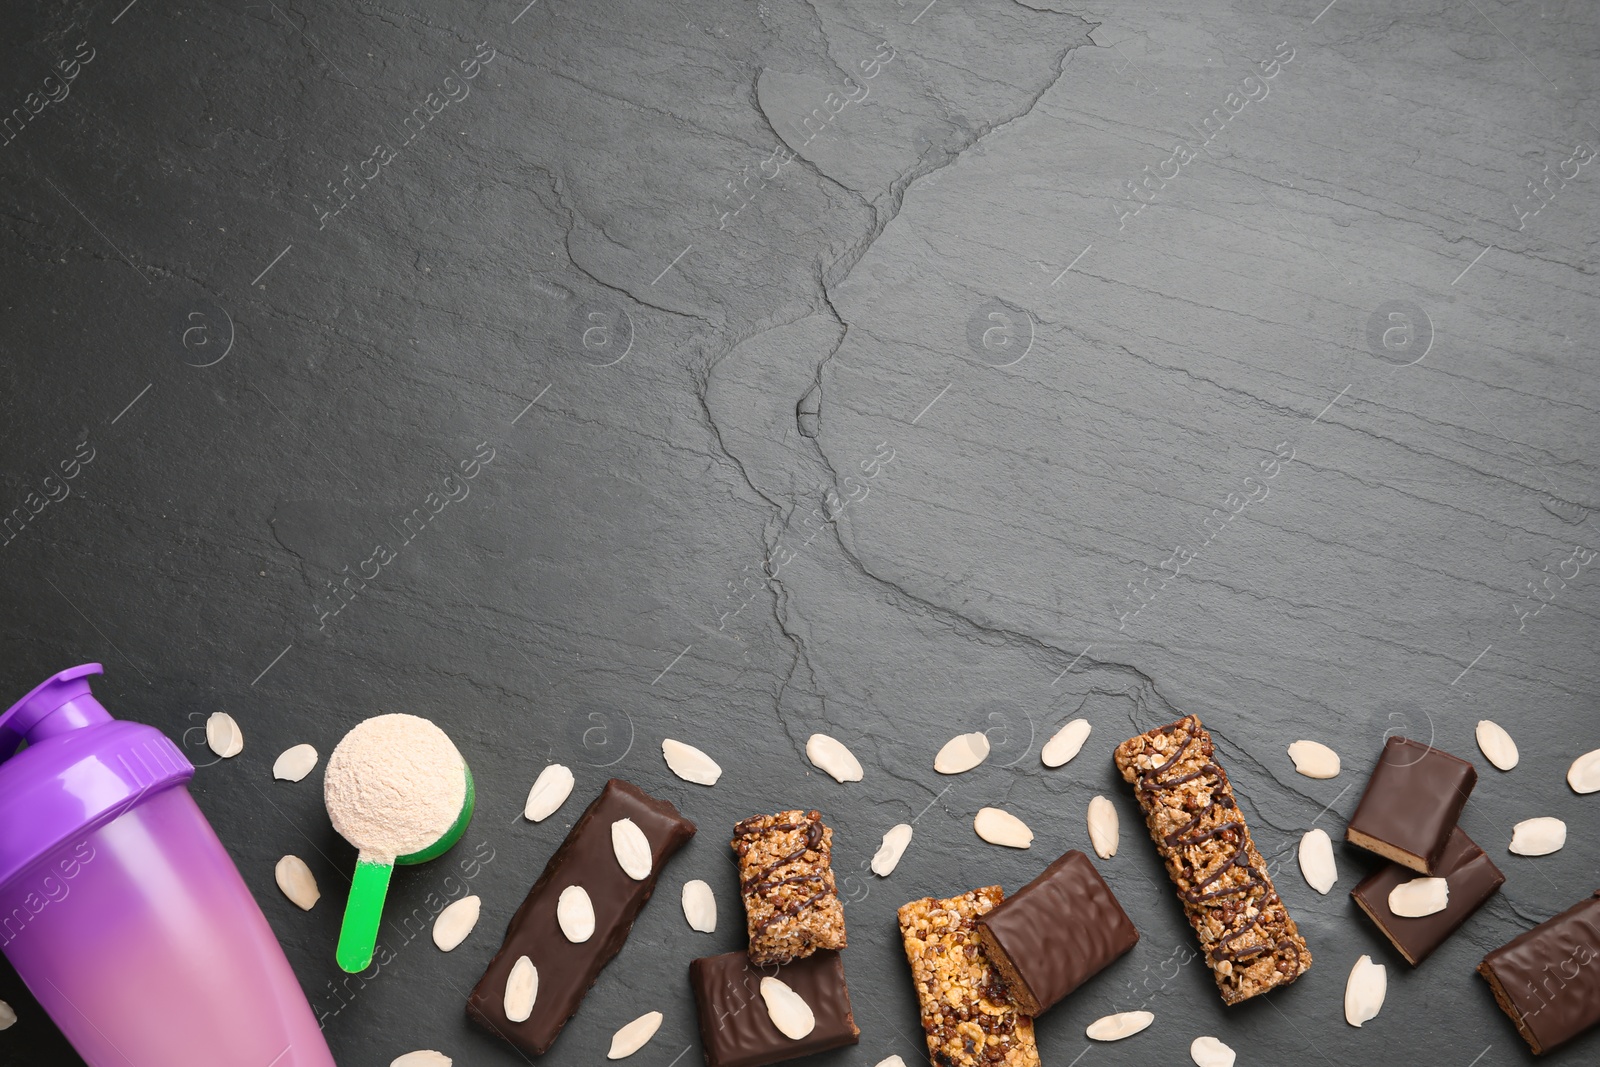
(786, 879)
(1237, 883)
(762, 883)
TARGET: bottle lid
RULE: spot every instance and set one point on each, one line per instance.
(79, 770)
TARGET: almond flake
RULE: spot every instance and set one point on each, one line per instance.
(224, 735)
(1209, 1052)
(689, 763)
(1497, 746)
(700, 906)
(1538, 837)
(575, 914)
(962, 753)
(829, 755)
(632, 849)
(522, 989)
(455, 922)
(550, 791)
(294, 763)
(1316, 860)
(1314, 759)
(1364, 991)
(894, 845)
(297, 882)
(890, 1061)
(1419, 897)
(1584, 774)
(787, 1009)
(1118, 1026)
(8, 1016)
(422, 1058)
(634, 1036)
(1066, 743)
(1002, 828)
(1103, 827)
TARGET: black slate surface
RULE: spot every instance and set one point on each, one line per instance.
(971, 321)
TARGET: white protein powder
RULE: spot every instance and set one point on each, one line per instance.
(394, 785)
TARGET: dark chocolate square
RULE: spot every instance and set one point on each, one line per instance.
(1548, 979)
(1056, 932)
(1411, 804)
(1467, 870)
(735, 1029)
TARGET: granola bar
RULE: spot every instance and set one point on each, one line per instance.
(791, 904)
(1250, 942)
(967, 1010)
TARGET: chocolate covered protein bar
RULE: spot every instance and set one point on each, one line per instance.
(736, 1030)
(1056, 933)
(1411, 804)
(565, 969)
(1471, 879)
(1547, 980)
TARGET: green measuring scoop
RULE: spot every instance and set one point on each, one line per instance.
(392, 778)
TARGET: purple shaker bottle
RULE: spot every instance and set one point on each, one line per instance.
(119, 907)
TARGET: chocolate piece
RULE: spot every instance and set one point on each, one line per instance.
(1548, 979)
(791, 905)
(735, 1029)
(567, 970)
(967, 1011)
(1249, 941)
(1412, 801)
(1467, 870)
(1056, 932)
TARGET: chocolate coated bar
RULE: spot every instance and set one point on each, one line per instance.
(1467, 870)
(1056, 932)
(567, 970)
(735, 1028)
(1411, 804)
(1249, 941)
(1548, 979)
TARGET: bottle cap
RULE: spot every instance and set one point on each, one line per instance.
(79, 770)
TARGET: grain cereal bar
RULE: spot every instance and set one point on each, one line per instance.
(791, 904)
(967, 1011)
(1249, 941)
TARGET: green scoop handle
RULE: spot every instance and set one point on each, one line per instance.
(363, 911)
